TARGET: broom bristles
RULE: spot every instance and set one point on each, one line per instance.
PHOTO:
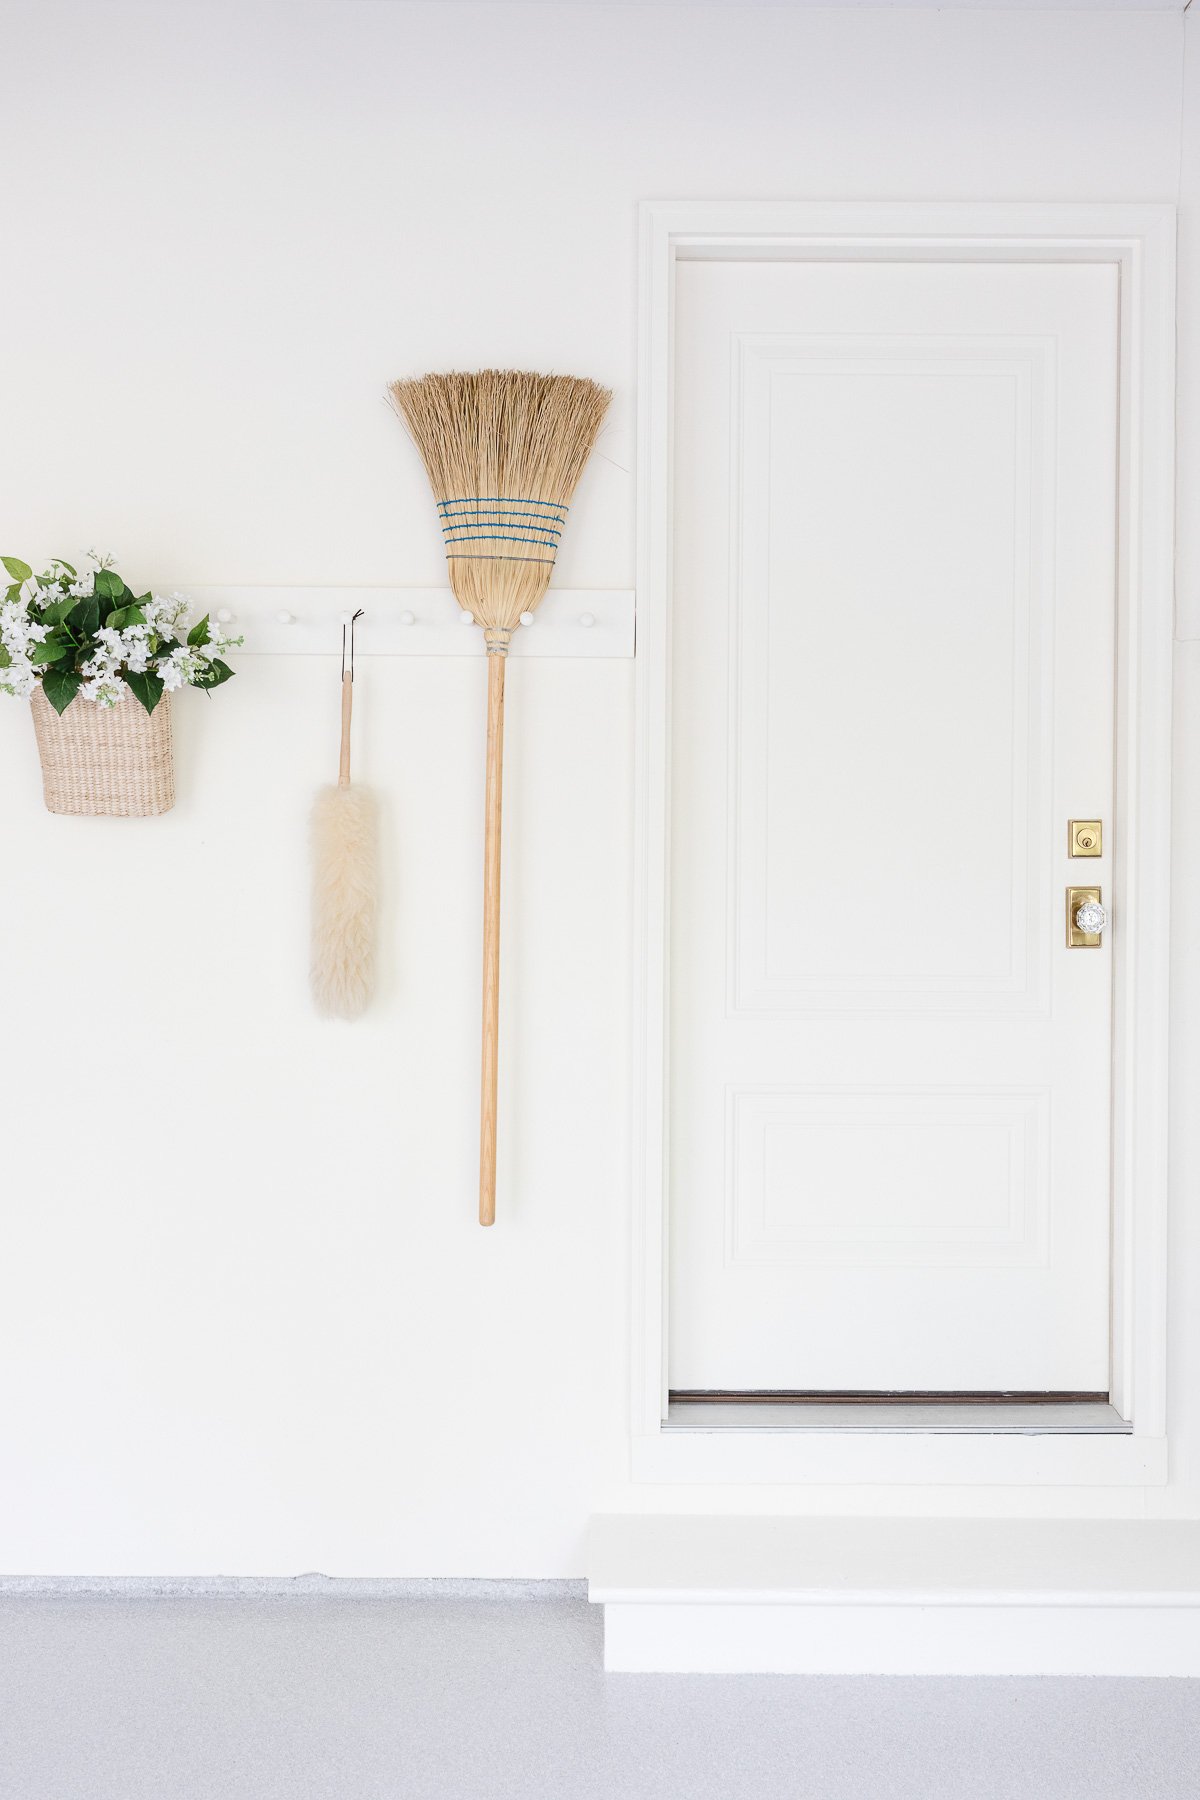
(504, 451)
(343, 915)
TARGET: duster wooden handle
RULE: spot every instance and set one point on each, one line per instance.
(491, 941)
(347, 708)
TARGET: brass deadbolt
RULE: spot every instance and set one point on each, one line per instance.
(1085, 837)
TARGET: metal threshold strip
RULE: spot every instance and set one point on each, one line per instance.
(943, 1412)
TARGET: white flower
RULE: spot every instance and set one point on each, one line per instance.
(176, 608)
(18, 679)
(18, 630)
(105, 689)
(13, 628)
(178, 669)
(132, 648)
(167, 617)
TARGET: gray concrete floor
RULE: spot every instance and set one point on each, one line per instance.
(447, 1699)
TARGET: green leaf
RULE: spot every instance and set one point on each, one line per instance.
(60, 610)
(60, 687)
(5, 658)
(14, 592)
(147, 687)
(124, 616)
(108, 584)
(84, 618)
(20, 571)
(49, 650)
(60, 564)
(215, 676)
(199, 634)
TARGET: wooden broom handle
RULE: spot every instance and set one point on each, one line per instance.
(491, 941)
(347, 708)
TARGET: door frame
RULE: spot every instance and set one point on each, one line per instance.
(1140, 241)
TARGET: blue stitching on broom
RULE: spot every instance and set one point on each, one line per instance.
(501, 500)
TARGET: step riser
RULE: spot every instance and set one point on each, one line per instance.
(733, 1637)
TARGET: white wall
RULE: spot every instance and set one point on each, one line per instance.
(248, 1324)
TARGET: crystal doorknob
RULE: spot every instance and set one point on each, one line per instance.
(1086, 918)
(1091, 917)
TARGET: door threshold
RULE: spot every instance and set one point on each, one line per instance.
(1029, 1415)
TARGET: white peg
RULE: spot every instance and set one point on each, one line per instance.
(587, 620)
(527, 618)
(408, 618)
(224, 616)
(466, 618)
(285, 617)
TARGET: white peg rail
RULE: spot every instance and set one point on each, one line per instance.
(287, 621)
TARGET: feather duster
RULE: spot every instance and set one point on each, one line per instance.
(344, 881)
(343, 924)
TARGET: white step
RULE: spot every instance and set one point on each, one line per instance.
(742, 1594)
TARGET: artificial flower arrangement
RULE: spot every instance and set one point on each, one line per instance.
(90, 636)
(80, 648)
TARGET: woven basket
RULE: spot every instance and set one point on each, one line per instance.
(111, 761)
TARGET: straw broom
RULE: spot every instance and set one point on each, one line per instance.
(503, 451)
(343, 893)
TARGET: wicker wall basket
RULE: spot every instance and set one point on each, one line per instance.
(116, 762)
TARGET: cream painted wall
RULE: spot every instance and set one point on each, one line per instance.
(248, 1324)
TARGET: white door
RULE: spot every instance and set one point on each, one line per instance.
(892, 688)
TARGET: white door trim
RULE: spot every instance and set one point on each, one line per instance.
(1140, 241)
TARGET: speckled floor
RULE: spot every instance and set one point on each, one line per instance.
(463, 1699)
